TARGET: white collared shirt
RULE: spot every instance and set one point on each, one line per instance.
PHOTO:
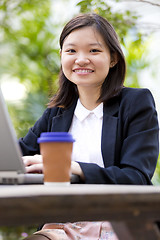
(86, 129)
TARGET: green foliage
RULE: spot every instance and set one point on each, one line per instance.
(33, 57)
(122, 21)
(31, 54)
(16, 233)
(24, 115)
(135, 53)
(156, 177)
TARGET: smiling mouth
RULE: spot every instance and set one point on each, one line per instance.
(83, 71)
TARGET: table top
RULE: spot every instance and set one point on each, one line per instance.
(53, 202)
(38, 204)
(76, 189)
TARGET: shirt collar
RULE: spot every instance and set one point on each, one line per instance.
(81, 112)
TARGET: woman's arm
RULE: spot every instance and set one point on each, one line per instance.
(139, 151)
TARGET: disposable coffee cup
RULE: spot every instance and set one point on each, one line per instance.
(56, 150)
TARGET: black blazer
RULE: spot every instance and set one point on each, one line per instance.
(129, 138)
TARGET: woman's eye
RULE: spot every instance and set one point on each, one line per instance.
(95, 50)
(71, 51)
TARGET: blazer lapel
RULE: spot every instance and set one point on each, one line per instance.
(109, 133)
(62, 121)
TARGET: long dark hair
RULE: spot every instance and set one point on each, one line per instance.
(67, 92)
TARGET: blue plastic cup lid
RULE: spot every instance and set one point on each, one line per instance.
(55, 137)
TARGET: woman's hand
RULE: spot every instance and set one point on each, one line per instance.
(33, 164)
(76, 169)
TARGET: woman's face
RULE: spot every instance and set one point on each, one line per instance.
(85, 58)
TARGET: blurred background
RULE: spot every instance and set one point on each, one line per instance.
(30, 62)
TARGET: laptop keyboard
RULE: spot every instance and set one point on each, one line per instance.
(8, 181)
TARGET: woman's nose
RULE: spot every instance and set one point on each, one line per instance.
(82, 61)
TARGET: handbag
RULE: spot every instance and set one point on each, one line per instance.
(77, 230)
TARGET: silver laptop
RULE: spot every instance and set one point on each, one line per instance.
(12, 169)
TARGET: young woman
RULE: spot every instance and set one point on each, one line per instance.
(115, 127)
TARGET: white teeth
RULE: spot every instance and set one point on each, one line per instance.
(83, 71)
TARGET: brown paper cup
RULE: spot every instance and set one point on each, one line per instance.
(56, 150)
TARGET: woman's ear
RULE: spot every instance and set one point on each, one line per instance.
(114, 59)
(60, 52)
